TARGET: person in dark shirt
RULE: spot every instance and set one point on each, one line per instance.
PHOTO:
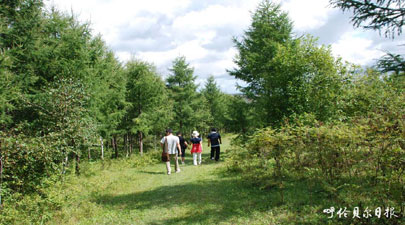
(183, 145)
(214, 139)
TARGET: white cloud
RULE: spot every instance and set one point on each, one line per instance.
(308, 14)
(215, 16)
(161, 30)
(355, 48)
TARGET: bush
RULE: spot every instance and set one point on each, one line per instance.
(369, 149)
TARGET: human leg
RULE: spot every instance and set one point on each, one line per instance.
(177, 167)
(169, 170)
(195, 159)
(199, 158)
(183, 155)
(217, 152)
(212, 152)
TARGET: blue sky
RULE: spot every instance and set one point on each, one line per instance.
(160, 30)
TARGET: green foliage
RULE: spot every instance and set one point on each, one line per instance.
(369, 92)
(8, 90)
(190, 107)
(216, 102)
(381, 15)
(150, 108)
(306, 79)
(241, 116)
(270, 27)
(392, 63)
(108, 90)
(53, 194)
(57, 83)
(369, 149)
(286, 76)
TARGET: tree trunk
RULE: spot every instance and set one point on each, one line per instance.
(77, 164)
(89, 153)
(1, 173)
(114, 140)
(102, 148)
(154, 142)
(131, 146)
(126, 144)
(140, 143)
(65, 163)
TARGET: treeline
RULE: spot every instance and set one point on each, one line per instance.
(313, 118)
(65, 97)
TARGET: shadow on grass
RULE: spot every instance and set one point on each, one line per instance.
(152, 172)
(206, 202)
(211, 201)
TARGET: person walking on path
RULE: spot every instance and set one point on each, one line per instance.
(183, 145)
(214, 139)
(196, 150)
(171, 143)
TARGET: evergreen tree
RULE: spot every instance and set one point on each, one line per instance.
(240, 116)
(150, 108)
(216, 103)
(189, 107)
(9, 91)
(310, 77)
(270, 28)
(284, 75)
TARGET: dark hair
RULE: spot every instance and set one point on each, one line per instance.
(178, 133)
(213, 129)
(168, 130)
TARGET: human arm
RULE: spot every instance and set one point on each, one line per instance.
(201, 144)
(178, 148)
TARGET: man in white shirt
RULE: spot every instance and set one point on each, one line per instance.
(173, 144)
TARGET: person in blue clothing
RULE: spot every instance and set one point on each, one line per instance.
(214, 139)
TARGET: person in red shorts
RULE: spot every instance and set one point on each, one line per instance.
(197, 148)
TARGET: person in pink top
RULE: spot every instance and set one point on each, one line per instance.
(196, 150)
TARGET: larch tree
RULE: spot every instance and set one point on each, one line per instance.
(285, 76)
(269, 29)
(187, 102)
(149, 107)
(215, 102)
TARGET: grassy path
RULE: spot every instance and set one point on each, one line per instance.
(146, 195)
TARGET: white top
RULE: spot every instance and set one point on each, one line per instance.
(172, 142)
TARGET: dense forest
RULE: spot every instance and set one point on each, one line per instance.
(304, 114)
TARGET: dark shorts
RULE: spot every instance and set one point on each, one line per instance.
(183, 152)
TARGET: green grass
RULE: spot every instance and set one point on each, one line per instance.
(147, 195)
(126, 192)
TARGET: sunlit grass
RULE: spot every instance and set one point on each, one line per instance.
(130, 191)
